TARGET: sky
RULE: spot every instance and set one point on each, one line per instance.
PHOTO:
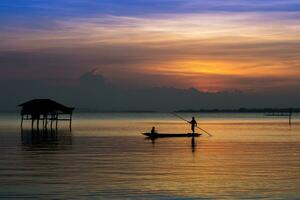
(252, 46)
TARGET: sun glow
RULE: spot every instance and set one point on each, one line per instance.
(211, 51)
(222, 67)
(197, 67)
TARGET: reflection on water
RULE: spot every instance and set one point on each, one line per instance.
(46, 139)
(241, 161)
(153, 140)
(193, 144)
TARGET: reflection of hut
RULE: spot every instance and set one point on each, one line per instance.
(45, 110)
(49, 140)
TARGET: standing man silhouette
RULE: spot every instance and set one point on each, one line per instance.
(193, 124)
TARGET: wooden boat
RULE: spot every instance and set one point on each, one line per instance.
(162, 135)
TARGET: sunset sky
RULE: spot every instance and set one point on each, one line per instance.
(215, 45)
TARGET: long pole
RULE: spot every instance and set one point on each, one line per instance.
(189, 122)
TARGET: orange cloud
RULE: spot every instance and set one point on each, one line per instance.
(212, 51)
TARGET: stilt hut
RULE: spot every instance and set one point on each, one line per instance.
(45, 111)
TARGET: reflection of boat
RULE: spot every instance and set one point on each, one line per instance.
(161, 135)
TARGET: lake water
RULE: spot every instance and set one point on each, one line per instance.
(250, 156)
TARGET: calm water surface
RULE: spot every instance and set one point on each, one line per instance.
(105, 156)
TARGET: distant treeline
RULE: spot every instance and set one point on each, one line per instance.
(86, 110)
(244, 110)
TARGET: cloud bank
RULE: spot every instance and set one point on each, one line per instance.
(214, 46)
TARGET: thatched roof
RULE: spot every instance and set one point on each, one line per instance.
(44, 106)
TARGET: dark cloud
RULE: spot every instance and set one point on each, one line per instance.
(93, 92)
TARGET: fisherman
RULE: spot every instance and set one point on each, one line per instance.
(153, 131)
(193, 124)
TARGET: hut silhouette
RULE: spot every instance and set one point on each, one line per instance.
(45, 110)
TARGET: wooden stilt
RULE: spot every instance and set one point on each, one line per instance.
(56, 122)
(51, 121)
(70, 125)
(37, 124)
(32, 121)
(22, 122)
(46, 122)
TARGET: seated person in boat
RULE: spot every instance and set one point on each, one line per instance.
(153, 131)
